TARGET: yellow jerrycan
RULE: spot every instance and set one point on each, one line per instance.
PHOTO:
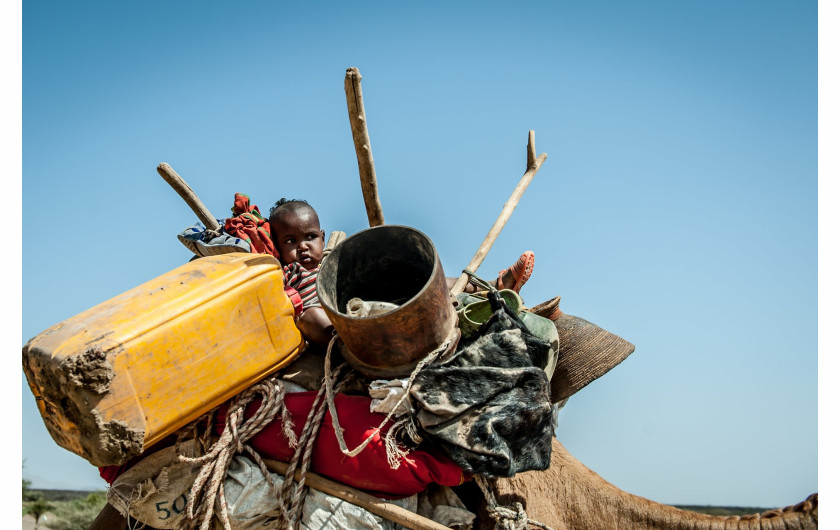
(132, 370)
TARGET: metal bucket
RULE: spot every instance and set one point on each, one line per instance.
(387, 263)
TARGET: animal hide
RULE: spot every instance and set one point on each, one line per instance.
(488, 406)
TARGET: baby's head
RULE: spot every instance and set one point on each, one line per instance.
(296, 231)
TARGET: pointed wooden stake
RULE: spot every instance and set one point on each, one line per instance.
(532, 165)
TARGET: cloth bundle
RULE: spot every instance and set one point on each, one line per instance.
(246, 231)
(203, 242)
(488, 406)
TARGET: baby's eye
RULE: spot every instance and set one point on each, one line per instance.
(289, 241)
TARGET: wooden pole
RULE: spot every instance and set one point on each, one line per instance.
(358, 125)
(370, 503)
(533, 164)
(180, 185)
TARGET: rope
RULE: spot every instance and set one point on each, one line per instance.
(506, 518)
(292, 507)
(475, 280)
(190, 432)
(395, 451)
(124, 506)
(395, 456)
(207, 493)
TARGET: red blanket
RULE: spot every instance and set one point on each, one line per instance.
(369, 470)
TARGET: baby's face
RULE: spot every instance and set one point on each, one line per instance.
(299, 238)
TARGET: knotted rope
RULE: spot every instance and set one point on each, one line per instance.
(207, 492)
(506, 518)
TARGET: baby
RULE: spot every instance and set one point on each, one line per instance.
(298, 238)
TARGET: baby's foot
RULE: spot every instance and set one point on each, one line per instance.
(515, 276)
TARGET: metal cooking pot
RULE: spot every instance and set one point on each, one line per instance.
(387, 263)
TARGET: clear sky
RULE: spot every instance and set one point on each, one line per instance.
(677, 207)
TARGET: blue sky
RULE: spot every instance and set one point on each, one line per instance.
(677, 207)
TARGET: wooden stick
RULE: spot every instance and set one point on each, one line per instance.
(364, 154)
(180, 185)
(533, 164)
(336, 237)
(389, 511)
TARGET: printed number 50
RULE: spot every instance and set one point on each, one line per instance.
(174, 506)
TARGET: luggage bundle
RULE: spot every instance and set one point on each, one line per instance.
(433, 394)
(115, 381)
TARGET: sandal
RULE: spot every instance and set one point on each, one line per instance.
(521, 271)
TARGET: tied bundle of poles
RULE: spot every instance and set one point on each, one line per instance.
(208, 491)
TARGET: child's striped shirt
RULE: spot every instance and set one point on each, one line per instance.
(304, 282)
